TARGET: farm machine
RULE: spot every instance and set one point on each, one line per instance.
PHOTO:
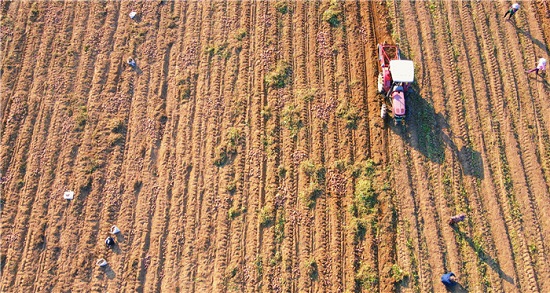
(393, 80)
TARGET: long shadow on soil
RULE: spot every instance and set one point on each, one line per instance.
(541, 77)
(457, 288)
(109, 272)
(535, 41)
(484, 256)
(427, 131)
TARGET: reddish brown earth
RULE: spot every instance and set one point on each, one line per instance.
(222, 180)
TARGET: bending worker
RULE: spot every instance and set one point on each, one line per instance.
(513, 9)
(449, 279)
(541, 66)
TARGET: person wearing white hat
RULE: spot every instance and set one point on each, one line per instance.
(513, 9)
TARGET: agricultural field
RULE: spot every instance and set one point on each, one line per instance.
(246, 153)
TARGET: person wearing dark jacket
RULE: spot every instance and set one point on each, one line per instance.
(110, 242)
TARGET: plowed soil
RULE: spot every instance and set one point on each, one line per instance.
(245, 152)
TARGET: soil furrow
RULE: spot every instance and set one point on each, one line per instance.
(252, 264)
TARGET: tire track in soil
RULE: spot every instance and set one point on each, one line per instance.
(176, 197)
(283, 51)
(219, 205)
(227, 174)
(238, 238)
(407, 206)
(32, 162)
(116, 113)
(234, 253)
(290, 156)
(161, 209)
(160, 162)
(297, 149)
(512, 151)
(461, 33)
(15, 45)
(479, 109)
(432, 169)
(530, 175)
(328, 45)
(272, 54)
(176, 112)
(500, 163)
(214, 111)
(533, 34)
(252, 173)
(464, 158)
(334, 204)
(354, 251)
(537, 180)
(17, 54)
(163, 165)
(10, 41)
(542, 27)
(539, 104)
(187, 55)
(272, 235)
(343, 144)
(198, 131)
(276, 49)
(311, 249)
(315, 265)
(407, 222)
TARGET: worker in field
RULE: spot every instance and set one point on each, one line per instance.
(457, 219)
(131, 62)
(541, 66)
(449, 279)
(513, 9)
(110, 242)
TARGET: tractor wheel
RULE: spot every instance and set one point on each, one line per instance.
(380, 83)
(383, 111)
